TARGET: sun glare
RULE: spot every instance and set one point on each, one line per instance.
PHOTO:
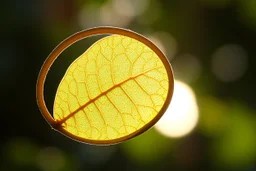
(182, 114)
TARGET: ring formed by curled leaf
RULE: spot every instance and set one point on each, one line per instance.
(117, 89)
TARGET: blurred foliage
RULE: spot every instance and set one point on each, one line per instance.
(225, 137)
(152, 152)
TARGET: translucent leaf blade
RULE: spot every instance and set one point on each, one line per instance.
(112, 91)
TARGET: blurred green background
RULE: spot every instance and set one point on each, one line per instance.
(210, 44)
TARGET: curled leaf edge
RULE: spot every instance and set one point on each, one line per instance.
(89, 33)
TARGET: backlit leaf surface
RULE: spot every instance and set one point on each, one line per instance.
(112, 90)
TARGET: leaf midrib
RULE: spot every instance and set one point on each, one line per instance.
(59, 122)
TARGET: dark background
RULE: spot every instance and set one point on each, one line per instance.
(210, 44)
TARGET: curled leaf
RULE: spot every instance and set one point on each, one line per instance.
(117, 89)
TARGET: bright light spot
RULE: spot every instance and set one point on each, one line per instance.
(229, 63)
(182, 114)
(187, 68)
(130, 7)
(109, 15)
(115, 13)
(51, 159)
(165, 42)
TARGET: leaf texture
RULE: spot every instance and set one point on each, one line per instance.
(112, 90)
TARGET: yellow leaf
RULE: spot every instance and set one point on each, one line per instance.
(117, 89)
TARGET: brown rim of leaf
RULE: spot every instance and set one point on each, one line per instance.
(79, 36)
